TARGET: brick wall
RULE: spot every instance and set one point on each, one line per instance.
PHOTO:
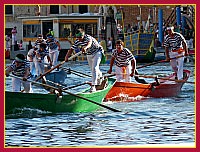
(133, 11)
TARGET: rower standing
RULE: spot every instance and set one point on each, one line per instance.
(53, 48)
(125, 62)
(176, 48)
(93, 50)
(20, 67)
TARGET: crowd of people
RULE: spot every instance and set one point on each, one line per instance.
(125, 63)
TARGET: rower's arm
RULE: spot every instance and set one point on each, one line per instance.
(8, 70)
(185, 48)
(111, 64)
(69, 52)
(89, 44)
(133, 64)
(167, 53)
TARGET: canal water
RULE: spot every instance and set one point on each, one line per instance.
(147, 121)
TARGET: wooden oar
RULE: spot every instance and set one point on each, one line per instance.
(74, 86)
(75, 55)
(78, 96)
(139, 67)
(151, 76)
(76, 72)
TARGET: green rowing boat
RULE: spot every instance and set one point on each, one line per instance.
(54, 103)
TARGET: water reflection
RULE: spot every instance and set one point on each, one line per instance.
(150, 121)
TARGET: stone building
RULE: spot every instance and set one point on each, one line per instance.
(132, 15)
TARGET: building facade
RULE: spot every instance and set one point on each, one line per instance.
(32, 20)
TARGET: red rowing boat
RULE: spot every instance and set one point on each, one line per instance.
(125, 91)
(169, 88)
(128, 91)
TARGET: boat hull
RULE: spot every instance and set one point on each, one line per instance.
(124, 90)
(169, 88)
(54, 104)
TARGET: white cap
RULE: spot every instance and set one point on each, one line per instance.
(170, 28)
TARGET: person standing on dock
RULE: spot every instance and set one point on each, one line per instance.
(125, 62)
(109, 44)
(20, 67)
(14, 34)
(7, 39)
(93, 50)
(176, 48)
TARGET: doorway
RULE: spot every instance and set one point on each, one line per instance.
(45, 28)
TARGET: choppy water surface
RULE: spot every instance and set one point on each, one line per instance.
(147, 121)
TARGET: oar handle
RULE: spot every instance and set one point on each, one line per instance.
(75, 55)
(78, 96)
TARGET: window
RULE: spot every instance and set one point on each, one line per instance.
(65, 30)
(54, 9)
(30, 31)
(68, 30)
(83, 9)
(8, 9)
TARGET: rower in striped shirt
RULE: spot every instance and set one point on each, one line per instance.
(39, 41)
(93, 50)
(176, 48)
(54, 48)
(41, 53)
(125, 63)
(20, 67)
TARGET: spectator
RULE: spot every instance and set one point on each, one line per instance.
(14, 34)
(7, 39)
(109, 44)
(21, 45)
(51, 32)
(103, 44)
